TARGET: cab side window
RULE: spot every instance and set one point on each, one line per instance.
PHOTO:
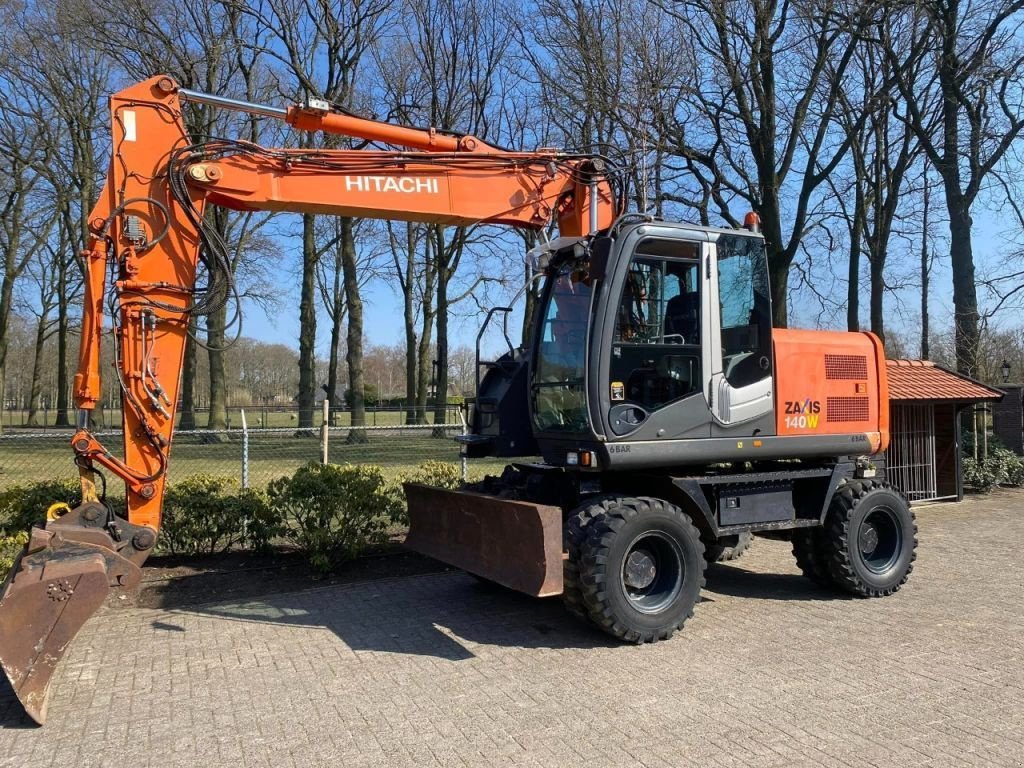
(745, 309)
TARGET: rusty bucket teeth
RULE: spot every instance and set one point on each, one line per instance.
(514, 543)
(48, 597)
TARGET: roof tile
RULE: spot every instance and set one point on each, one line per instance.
(924, 380)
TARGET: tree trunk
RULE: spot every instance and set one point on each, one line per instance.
(878, 294)
(37, 362)
(779, 259)
(215, 323)
(337, 318)
(441, 381)
(6, 299)
(63, 326)
(307, 326)
(853, 273)
(354, 353)
(187, 418)
(410, 326)
(924, 277)
(965, 293)
(423, 369)
(529, 306)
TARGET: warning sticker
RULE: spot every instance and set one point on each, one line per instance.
(618, 391)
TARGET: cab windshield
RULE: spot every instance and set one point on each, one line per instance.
(559, 375)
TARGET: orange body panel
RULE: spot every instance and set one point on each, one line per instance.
(831, 383)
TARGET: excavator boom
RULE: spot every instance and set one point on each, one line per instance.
(149, 230)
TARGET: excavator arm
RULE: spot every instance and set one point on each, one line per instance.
(149, 231)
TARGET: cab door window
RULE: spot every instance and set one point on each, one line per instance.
(656, 347)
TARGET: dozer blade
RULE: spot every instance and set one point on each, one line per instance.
(514, 543)
(54, 587)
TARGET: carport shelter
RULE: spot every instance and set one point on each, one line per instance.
(925, 402)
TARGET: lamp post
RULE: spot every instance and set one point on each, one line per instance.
(1004, 369)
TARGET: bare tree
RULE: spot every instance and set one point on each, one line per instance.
(957, 67)
(758, 125)
(456, 85)
(27, 212)
(883, 149)
(210, 46)
(319, 45)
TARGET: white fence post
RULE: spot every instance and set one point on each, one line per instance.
(324, 432)
(463, 461)
(245, 452)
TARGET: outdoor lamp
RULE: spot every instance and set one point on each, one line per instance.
(1005, 370)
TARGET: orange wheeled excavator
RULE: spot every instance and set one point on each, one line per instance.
(672, 420)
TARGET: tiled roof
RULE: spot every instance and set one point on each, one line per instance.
(924, 380)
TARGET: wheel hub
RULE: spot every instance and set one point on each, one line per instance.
(868, 539)
(640, 570)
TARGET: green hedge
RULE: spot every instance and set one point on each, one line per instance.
(22, 506)
(330, 512)
(209, 514)
(10, 547)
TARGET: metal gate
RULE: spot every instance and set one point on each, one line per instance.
(910, 460)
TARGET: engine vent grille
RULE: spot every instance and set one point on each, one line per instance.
(846, 367)
(847, 409)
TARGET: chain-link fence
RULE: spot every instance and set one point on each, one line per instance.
(256, 454)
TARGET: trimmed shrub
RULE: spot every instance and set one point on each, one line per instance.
(22, 506)
(979, 475)
(333, 512)
(443, 474)
(1002, 467)
(207, 514)
(10, 547)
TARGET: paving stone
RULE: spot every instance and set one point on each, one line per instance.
(440, 671)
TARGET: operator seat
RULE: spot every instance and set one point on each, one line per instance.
(682, 317)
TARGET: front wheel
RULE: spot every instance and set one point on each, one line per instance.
(870, 539)
(641, 569)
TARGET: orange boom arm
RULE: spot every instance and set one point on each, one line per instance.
(146, 234)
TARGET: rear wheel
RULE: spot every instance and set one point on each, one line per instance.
(811, 558)
(728, 548)
(870, 539)
(641, 569)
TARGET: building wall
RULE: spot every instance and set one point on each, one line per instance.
(947, 469)
(1008, 418)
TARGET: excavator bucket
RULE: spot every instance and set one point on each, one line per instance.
(54, 587)
(514, 543)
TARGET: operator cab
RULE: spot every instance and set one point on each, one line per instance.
(664, 339)
(659, 334)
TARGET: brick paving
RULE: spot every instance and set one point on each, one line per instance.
(440, 671)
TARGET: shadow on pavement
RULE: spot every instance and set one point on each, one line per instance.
(736, 581)
(442, 616)
(12, 714)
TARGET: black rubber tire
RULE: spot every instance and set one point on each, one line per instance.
(610, 538)
(574, 534)
(811, 558)
(728, 548)
(865, 511)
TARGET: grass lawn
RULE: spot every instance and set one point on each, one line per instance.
(257, 417)
(271, 455)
